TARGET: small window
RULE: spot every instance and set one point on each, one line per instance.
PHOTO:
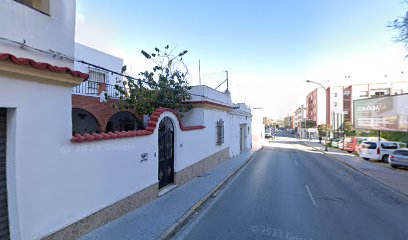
(334, 94)
(334, 104)
(364, 94)
(95, 78)
(369, 145)
(40, 5)
(401, 152)
(389, 145)
(346, 93)
(220, 132)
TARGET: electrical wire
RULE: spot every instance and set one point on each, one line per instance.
(64, 56)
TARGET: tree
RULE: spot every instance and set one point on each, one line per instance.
(309, 124)
(401, 25)
(349, 129)
(165, 86)
(322, 129)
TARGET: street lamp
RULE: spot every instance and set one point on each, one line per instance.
(325, 94)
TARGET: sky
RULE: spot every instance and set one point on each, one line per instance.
(269, 47)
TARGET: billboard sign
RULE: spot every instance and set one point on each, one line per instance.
(388, 113)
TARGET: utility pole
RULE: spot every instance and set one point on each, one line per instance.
(227, 79)
(199, 71)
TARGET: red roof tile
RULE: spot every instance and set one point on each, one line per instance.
(42, 65)
(154, 118)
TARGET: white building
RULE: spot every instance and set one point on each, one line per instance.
(299, 117)
(59, 186)
(98, 61)
(362, 91)
(258, 127)
(42, 24)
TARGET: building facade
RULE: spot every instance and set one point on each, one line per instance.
(299, 117)
(316, 106)
(339, 100)
(60, 180)
(93, 100)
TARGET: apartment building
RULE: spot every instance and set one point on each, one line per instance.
(316, 106)
(369, 90)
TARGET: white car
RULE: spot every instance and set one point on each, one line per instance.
(379, 150)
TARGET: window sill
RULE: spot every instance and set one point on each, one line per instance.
(35, 9)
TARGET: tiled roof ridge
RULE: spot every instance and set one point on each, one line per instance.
(209, 103)
(154, 118)
(42, 65)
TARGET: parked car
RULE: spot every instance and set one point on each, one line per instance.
(335, 142)
(354, 144)
(379, 150)
(398, 158)
(350, 144)
(268, 133)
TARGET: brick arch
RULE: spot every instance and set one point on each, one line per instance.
(139, 118)
(93, 123)
(101, 111)
(79, 138)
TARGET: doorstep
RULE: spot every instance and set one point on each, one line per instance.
(166, 189)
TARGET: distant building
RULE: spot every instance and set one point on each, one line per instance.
(369, 90)
(299, 117)
(336, 105)
(316, 106)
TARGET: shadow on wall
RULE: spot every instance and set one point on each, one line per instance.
(84, 122)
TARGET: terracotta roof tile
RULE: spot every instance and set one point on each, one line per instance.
(78, 138)
(41, 65)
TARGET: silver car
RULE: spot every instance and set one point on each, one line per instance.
(398, 158)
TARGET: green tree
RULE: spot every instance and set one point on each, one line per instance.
(164, 86)
(322, 129)
(349, 129)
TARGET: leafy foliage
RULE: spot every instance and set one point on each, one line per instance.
(164, 86)
(322, 129)
(390, 136)
(349, 129)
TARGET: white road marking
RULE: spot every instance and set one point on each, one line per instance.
(310, 195)
(297, 165)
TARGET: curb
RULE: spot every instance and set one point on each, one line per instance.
(358, 170)
(183, 220)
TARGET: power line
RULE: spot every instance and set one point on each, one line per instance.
(62, 55)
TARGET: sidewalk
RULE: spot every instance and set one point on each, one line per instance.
(394, 178)
(157, 218)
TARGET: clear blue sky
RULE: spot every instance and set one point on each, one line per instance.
(269, 47)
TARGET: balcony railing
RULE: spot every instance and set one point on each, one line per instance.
(91, 88)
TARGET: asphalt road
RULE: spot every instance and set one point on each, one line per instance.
(289, 191)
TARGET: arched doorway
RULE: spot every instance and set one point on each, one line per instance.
(166, 152)
(83, 122)
(123, 121)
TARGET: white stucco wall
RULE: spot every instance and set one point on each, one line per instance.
(59, 182)
(98, 58)
(55, 31)
(193, 117)
(209, 94)
(258, 128)
(55, 180)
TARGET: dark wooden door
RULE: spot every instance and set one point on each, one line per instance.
(166, 152)
(4, 221)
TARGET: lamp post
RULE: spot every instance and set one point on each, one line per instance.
(325, 94)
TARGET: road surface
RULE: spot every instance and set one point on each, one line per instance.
(290, 191)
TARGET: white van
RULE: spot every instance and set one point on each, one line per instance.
(379, 150)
